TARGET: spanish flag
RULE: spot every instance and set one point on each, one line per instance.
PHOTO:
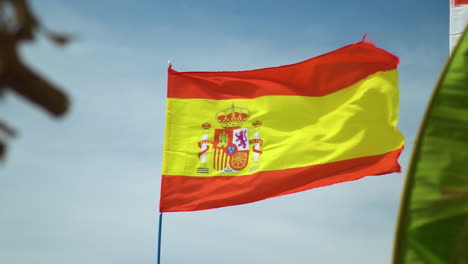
(237, 137)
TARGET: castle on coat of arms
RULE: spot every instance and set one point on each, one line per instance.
(231, 144)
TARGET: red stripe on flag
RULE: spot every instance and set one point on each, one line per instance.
(185, 193)
(318, 76)
(460, 2)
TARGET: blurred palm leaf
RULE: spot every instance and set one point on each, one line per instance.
(433, 223)
(18, 24)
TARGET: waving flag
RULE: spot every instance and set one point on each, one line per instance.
(458, 20)
(239, 137)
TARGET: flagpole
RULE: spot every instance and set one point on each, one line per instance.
(169, 66)
(159, 238)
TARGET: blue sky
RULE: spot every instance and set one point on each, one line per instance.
(85, 189)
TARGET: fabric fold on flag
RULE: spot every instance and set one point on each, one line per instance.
(236, 137)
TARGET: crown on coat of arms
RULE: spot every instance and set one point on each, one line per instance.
(232, 117)
(257, 123)
(206, 125)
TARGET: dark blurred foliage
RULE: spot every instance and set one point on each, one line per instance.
(18, 25)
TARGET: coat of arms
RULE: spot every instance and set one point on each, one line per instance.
(231, 144)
